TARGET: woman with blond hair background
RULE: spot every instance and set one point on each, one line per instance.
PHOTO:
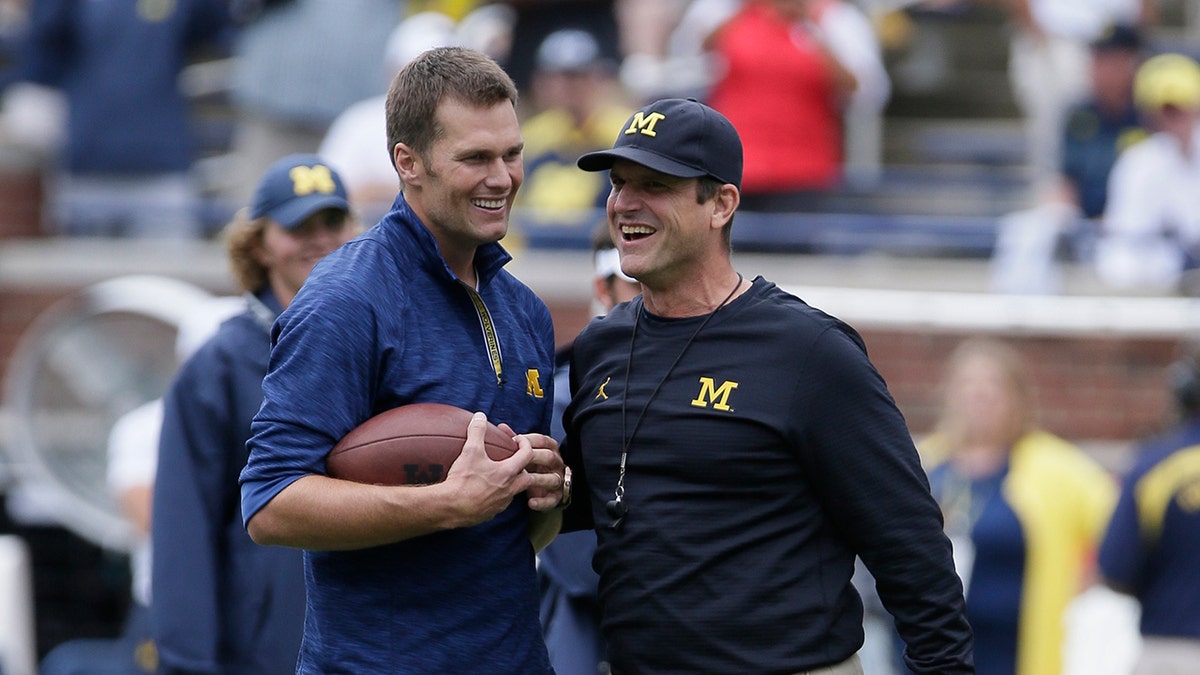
(1024, 508)
(221, 603)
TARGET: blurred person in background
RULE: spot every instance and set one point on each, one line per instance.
(1152, 545)
(579, 104)
(1104, 124)
(222, 604)
(1065, 220)
(297, 65)
(784, 88)
(129, 147)
(1151, 226)
(1024, 509)
(570, 606)
(534, 20)
(1048, 63)
(843, 27)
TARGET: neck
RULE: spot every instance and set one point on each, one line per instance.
(283, 294)
(461, 261)
(976, 460)
(703, 296)
(459, 258)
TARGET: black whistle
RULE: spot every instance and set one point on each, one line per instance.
(616, 510)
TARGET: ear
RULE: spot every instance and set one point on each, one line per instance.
(409, 166)
(724, 204)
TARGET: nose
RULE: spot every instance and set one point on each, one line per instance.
(502, 174)
(623, 200)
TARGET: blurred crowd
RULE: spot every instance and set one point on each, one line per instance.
(154, 118)
(116, 93)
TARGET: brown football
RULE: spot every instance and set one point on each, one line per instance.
(413, 444)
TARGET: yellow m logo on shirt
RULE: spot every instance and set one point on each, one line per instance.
(533, 384)
(718, 397)
(309, 179)
(644, 124)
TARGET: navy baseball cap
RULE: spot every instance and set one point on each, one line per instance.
(569, 50)
(297, 186)
(678, 137)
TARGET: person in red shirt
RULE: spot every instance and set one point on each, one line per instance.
(785, 92)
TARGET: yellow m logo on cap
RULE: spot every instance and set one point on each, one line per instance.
(644, 124)
(310, 179)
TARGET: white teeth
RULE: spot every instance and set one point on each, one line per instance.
(488, 203)
(636, 229)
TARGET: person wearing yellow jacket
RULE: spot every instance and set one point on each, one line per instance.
(1024, 508)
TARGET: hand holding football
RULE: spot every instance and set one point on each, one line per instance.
(413, 444)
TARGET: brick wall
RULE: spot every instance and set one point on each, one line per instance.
(20, 199)
(1102, 388)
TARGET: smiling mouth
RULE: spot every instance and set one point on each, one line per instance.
(491, 204)
(635, 232)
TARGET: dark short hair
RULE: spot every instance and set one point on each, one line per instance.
(420, 87)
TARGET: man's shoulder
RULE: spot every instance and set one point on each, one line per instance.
(785, 311)
(362, 265)
(619, 318)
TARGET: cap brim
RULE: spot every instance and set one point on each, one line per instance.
(603, 160)
(291, 214)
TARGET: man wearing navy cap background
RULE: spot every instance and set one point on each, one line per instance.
(737, 448)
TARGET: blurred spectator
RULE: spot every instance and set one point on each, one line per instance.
(298, 64)
(570, 604)
(1101, 126)
(1024, 509)
(356, 143)
(851, 38)
(1153, 542)
(489, 29)
(221, 603)
(682, 66)
(132, 461)
(785, 90)
(1048, 63)
(844, 29)
(534, 20)
(1151, 228)
(579, 105)
(129, 145)
(1065, 219)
